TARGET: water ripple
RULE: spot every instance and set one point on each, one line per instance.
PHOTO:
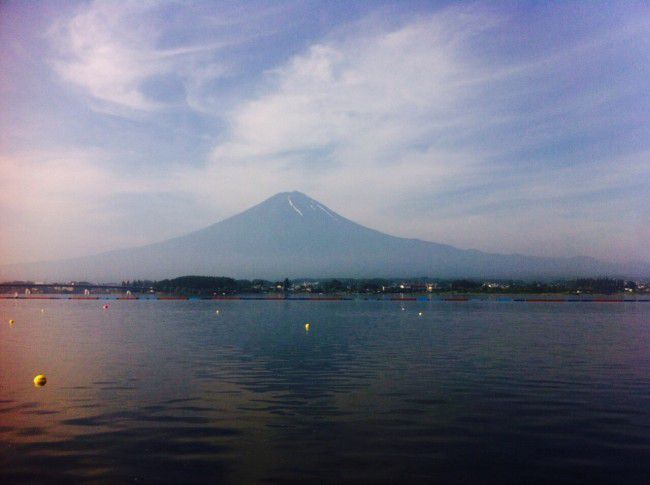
(165, 392)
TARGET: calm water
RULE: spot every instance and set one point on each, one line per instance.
(475, 391)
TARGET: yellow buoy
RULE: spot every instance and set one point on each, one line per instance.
(307, 326)
(11, 322)
(40, 380)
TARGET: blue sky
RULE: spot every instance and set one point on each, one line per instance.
(507, 127)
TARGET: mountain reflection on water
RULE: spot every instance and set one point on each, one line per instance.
(159, 391)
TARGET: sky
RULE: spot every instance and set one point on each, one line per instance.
(508, 127)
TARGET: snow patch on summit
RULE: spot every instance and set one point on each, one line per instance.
(326, 211)
(293, 206)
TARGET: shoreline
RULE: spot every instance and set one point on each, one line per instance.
(514, 298)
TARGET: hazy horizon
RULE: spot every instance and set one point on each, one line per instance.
(517, 128)
(260, 203)
(293, 235)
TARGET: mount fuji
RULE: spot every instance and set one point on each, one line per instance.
(292, 235)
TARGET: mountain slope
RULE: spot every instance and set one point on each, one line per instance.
(293, 235)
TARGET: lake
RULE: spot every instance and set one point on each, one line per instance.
(171, 391)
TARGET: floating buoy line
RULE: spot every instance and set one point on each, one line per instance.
(40, 380)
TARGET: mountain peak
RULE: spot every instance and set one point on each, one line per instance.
(300, 205)
(294, 194)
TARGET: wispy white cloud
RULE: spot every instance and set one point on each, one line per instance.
(107, 53)
(110, 50)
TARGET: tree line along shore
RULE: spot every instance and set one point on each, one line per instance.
(223, 285)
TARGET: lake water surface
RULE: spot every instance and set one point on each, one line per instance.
(171, 391)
